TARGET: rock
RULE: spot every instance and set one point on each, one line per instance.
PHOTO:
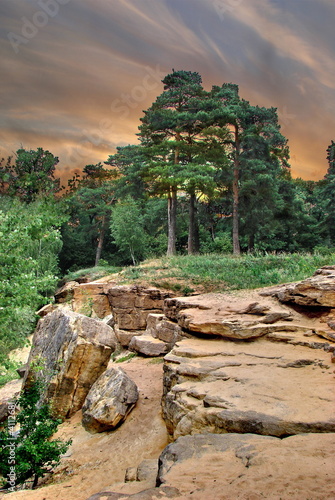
(130, 475)
(48, 308)
(109, 320)
(73, 351)
(250, 466)
(150, 494)
(90, 299)
(109, 401)
(221, 386)
(8, 393)
(125, 336)
(147, 469)
(148, 346)
(132, 304)
(65, 293)
(319, 290)
(158, 326)
(230, 316)
(22, 370)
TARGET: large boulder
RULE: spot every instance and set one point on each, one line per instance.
(109, 401)
(267, 386)
(250, 467)
(70, 351)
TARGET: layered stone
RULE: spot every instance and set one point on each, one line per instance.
(70, 351)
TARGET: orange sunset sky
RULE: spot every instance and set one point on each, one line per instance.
(77, 74)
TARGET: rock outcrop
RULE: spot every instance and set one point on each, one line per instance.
(109, 401)
(317, 291)
(260, 387)
(131, 305)
(72, 351)
(250, 467)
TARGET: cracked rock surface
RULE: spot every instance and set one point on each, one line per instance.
(261, 387)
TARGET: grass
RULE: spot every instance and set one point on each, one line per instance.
(215, 272)
(91, 274)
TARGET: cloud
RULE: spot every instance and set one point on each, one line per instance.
(79, 85)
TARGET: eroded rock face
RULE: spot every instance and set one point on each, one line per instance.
(229, 316)
(132, 304)
(260, 387)
(250, 466)
(317, 291)
(72, 350)
(109, 401)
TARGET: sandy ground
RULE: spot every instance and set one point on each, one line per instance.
(95, 462)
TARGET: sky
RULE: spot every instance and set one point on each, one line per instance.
(76, 75)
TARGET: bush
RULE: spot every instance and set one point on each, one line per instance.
(28, 454)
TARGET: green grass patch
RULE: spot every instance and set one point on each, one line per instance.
(216, 272)
(127, 357)
(91, 273)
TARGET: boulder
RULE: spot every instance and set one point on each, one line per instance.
(126, 336)
(109, 401)
(148, 346)
(263, 387)
(71, 351)
(158, 326)
(249, 466)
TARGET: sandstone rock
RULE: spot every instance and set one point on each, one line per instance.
(150, 494)
(21, 371)
(250, 467)
(90, 299)
(147, 469)
(222, 386)
(65, 293)
(319, 290)
(126, 336)
(148, 346)
(8, 393)
(48, 308)
(74, 350)
(158, 326)
(132, 304)
(109, 401)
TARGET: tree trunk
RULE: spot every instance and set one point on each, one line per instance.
(251, 242)
(172, 221)
(193, 233)
(101, 238)
(236, 172)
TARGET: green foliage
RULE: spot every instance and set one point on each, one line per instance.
(128, 229)
(90, 273)
(88, 204)
(217, 272)
(29, 245)
(28, 454)
(31, 176)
